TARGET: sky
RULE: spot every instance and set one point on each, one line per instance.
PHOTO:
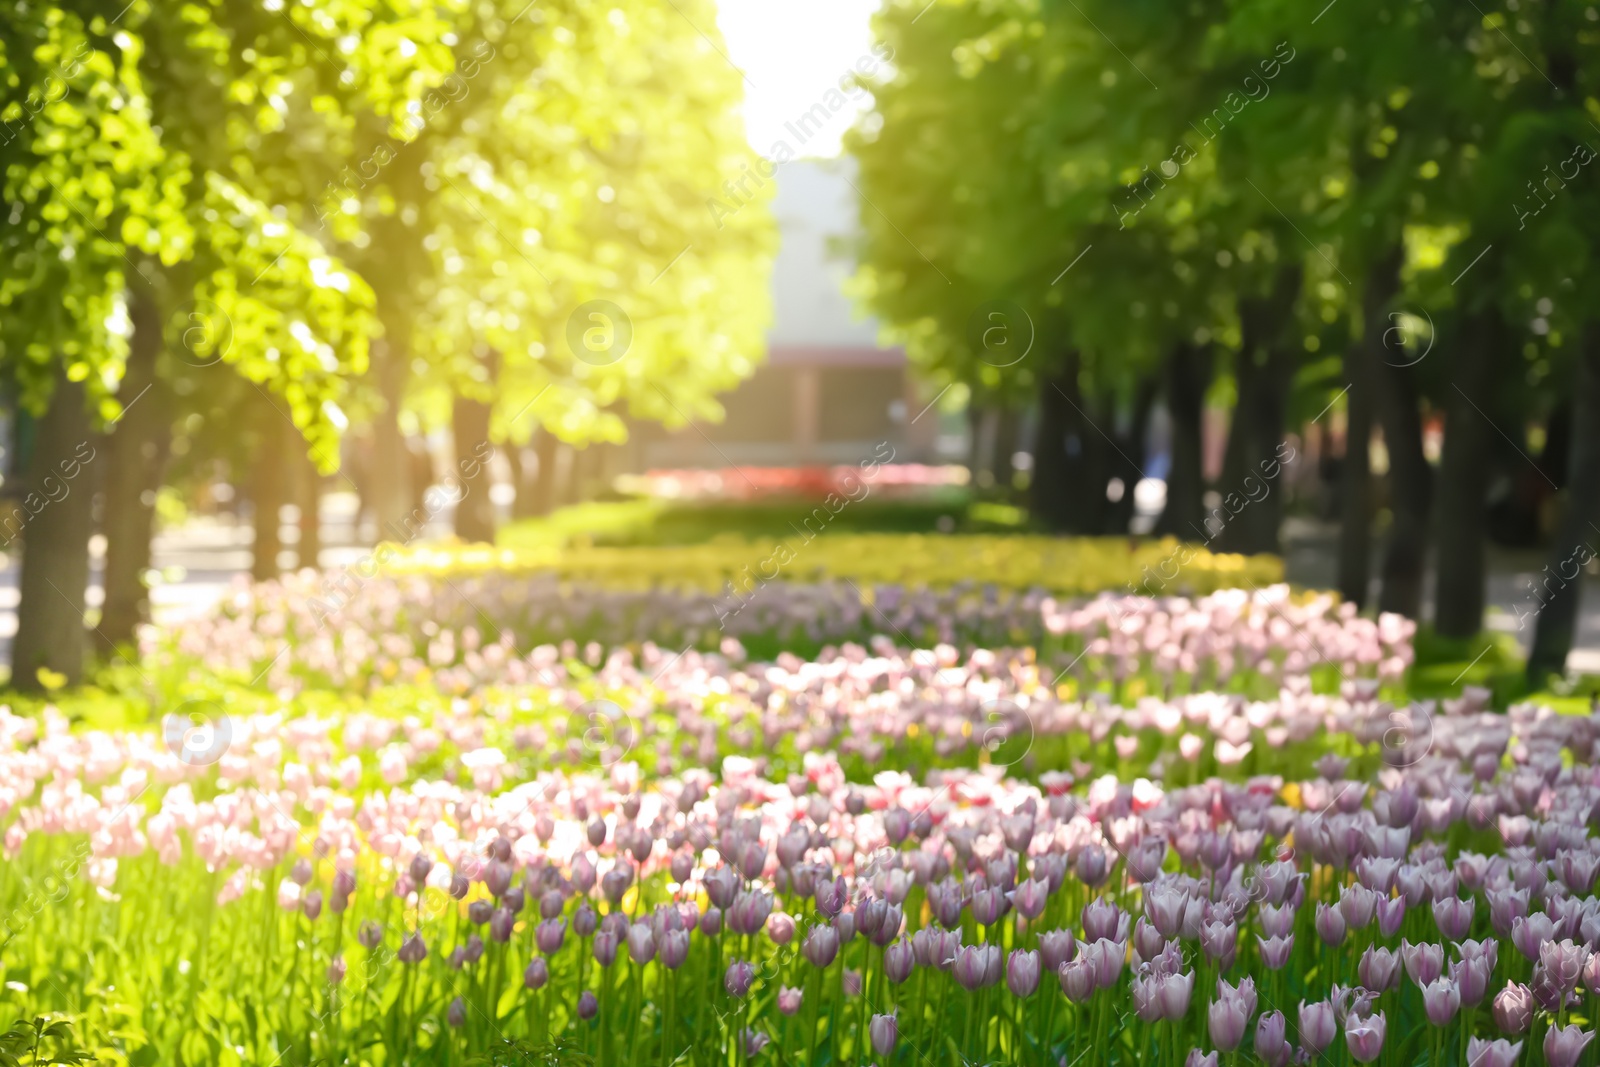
(792, 54)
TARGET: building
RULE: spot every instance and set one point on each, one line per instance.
(828, 392)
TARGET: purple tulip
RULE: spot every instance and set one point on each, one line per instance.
(1564, 961)
(336, 970)
(412, 949)
(974, 964)
(1441, 1000)
(1077, 979)
(1270, 1043)
(456, 1016)
(789, 1000)
(1471, 977)
(738, 977)
(1423, 962)
(1379, 968)
(1030, 898)
(1318, 1025)
(1275, 951)
(1057, 947)
(673, 949)
(1200, 1059)
(899, 959)
(1453, 916)
(1330, 925)
(820, 946)
(1563, 1046)
(370, 934)
(1513, 1009)
(501, 924)
(584, 921)
(1364, 1036)
(884, 1031)
(1022, 973)
(1529, 932)
(588, 1006)
(1496, 1053)
(1103, 920)
(605, 947)
(549, 935)
(1229, 1015)
(537, 973)
(1391, 913)
(641, 943)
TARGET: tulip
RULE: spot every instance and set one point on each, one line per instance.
(549, 935)
(412, 949)
(1270, 1043)
(898, 961)
(370, 934)
(1030, 898)
(501, 923)
(736, 980)
(1513, 1009)
(1077, 979)
(1318, 1025)
(1564, 962)
(789, 1000)
(1275, 951)
(1471, 977)
(1379, 969)
(1102, 920)
(820, 946)
(1563, 1045)
(1423, 962)
(537, 973)
(973, 965)
(1441, 1000)
(1022, 973)
(336, 970)
(1108, 958)
(1197, 1058)
(1330, 925)
(711, 922)
(1358, 903)
(641, 943)
(456, 1016)
(1528, 933)
(605, 947)
(584, 921)
(754, 1042)
(1364, 1036)
(1391, 913)
(1496, 1053)
(588, 1006)
(884, 1031)
(1453, 917)
(1058, 946)
(1226, 1021)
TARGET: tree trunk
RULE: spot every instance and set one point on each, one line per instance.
(1052, 483)
(474, 518)
(1188, 376)
(1410, 489)
(308, 497)
(1008, 422)
(269, 487)
(137, 450)
(1252, 497)
(1355, 475)
(1576, 540)
(544, 487)
(389, 476)
(59, 502)
(1129, 458)
(1459, 527)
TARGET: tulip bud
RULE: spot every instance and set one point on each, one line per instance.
(884, 1031)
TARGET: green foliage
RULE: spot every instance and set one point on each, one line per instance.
(27, 1044)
